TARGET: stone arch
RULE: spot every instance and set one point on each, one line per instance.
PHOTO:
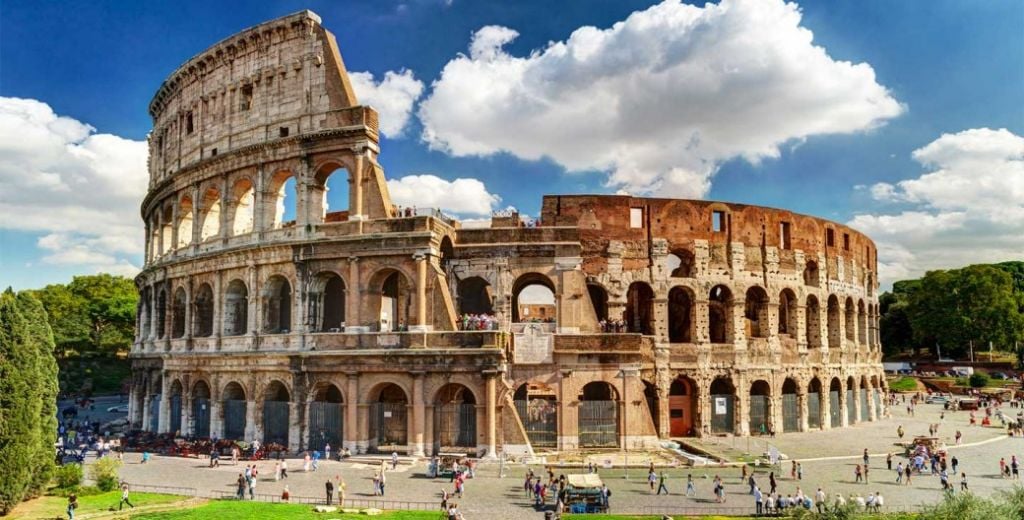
(392, 293)
(723, 405)
(682, 407)
(178, 313)
(862, 323)
(761, 410)
(680, 264)
(814, 403)
(185, 221)
(326, 416)
(639, 313)
(790, 406)
(234, 409)
(811, 274)
(330, 194)
(201, 408)
(446, 253)
(203, 311)
(835, 334)
(278, 204)
(276, 413)
(145, 313)
(236, 308)
(277, 298)
(327, 302)
(720, 316)
(598, 415)
(851, 321)
(788, 323)
(210, 208)
(538, 304)
(835, 401)
(454, 417)
(756, 312)
(389, 426)
(598, 300)
(813, 322)
(537, 406)
(680, 315)
(475, 296)
(242, 207)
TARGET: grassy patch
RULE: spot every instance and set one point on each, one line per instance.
(904, 384)
(50, 507)
(236, 509)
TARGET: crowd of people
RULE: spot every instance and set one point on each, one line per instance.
(478, 322)
(613, 326)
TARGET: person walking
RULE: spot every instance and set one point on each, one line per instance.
(327, 451)
(252, 487)
(241, 484)
(752, 483)
(284, 468)
(799, 471)
(888, 461)
(899, 473)
(865, 457)
(72, 505)
(758, 502)
(286, 495)
(305, 462)
(690, 489)
(857, 476)
(383, 481)
(954, 462)
(865, 473)
(819, 499)
(661, 484)
(963, 481)
(124, 498)
(394, 460)
(1015, 467)
(907, 472)
(329, 489)
(652, 477)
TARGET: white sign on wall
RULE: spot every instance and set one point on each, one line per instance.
(534, 345)
(721, 406)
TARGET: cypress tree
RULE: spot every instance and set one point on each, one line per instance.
(40, 340)
(19, 419)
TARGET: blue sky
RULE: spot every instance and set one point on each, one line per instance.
(947, 68)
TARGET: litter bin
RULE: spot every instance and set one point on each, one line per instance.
(549, 515)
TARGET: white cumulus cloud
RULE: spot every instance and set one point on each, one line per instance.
(968, 208)
(658, 100)
(82, 189)
(393, 97)
(461, 196)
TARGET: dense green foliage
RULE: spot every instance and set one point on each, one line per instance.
(979, 303)
(68, 476)
(28, 375)
(978, 380)
(104, 472)
(93, 321)
(904, 384)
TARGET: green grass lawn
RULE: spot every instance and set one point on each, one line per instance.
(49, 507)
(904, 384)
(232, 509)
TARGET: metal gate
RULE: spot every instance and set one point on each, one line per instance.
(540, 419)
(758, 414)
(790, 413)
(326, 422)
(834, 411)
(722, 413)
(201, 417)
(154, 412)
(599, 424)
(275, 422)
(864, 410)
(175, 413)
(851, 410)
(813, 410)
(388, 424)
(234, 419)
(454, 425)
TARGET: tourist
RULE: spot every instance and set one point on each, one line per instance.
(316, 459)
(771, 483)
(329, 489)
(865, 473)
(661, 484)
(690, 489)
(214, 457)
(888, 461)
(865, 457)
(444, 499)
(394, 460)
(376, 484)
(857, 476)
(240, 491)
(799, 471)
(72, 505)
(1016, 467)
(907, 473)
(252, 487)
(759, 506)
(284, 468)
(899, 473)
(605, 496)
(955, 462)
(652, 477)
(124, 498)
(1002, 467)
(305, 462)
(327, 451)
(277, 471)
(751, 482)
(819, 499)
(383, 481)
(944, 481)
(340, 487)
(899, 431)
(286, 495)
(792, 470)
(145, 456)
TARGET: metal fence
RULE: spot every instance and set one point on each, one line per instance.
(722, 410)
(275, 422)
(361, 503)
(388, 423)
(175, 413)
(813, 410)
(851, 410)
(758, 413)
(455, 425)
(154, 412)
(234, 419)
(864, 410)
(326, 422)
(599, 424)
(540, 419)
(201, 417)
(790, 413)
(834, 411)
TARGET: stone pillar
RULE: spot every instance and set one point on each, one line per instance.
(164, 420)
(189, 314)
(218, 305)
(856, 401)
(428, 434)
(295, 427)
(741, 391)
(197, 221)
(773, 326)
(492, 419)
(872, 404)
(568, 434)
(661, 318)
(801, 328)
(739, 332)
(353, 291)
(363, 428)
(160, 233)
(802, 405)
(154, 295)
(702, 422)
(251, 430)
(418, 422)
(187, 428)
(145, 410)
(223, 232)
(421, 294)
(701, 322)
(356, 190)
(216, 418)
(252, 314)
(826, 403)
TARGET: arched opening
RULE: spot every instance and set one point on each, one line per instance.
(787, 313)
(161, 314)
(813, 322)
(454, 419)
(865, 407)
(154, 239)
(203, 311)
(233, 406)
(814, 404)
(851, 396)
(236, 308)
(599, 301)
(682, 416)
(201, 409)
(723, 405)
(537, 406)
(755, 311)
(277, 295)
(327, 303)
(330, 194)
(145, 314)
(243, 207)
(178, 314)
(475, 296)
(720, 315)
(835, 340)
(282, 200)
(862, 324)
(326, 417)
(388, 426)
(395, 301)
(185, 221)
(447, 252)
(639, 315)
(811, 275)
(175, 411)
(598, 416)
(679, 264)
(680, 315)
(652, 398)
(851, 321)
(790, 407)
(835, 411)
(210, 211)
(760, 408)
(167, 230)
(533, 299)
(275, 413)
(154, 404)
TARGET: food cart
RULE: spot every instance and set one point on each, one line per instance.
(444, 464)
(583, 494)
(925, 446)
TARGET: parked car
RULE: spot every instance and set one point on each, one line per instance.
(936, 399)
(997, 375)
(121, 408)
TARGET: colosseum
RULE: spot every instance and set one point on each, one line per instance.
(612, 322)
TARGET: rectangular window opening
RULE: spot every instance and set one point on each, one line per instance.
(246, 97)
(636, 218)
(846, 241)
(717, 221)
(830, 238)
(213, 152)
(189, 128)
(784, 236)
(283, 131)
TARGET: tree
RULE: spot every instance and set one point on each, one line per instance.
(92, 315)
(40, 339)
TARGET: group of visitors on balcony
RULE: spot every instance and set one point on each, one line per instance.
(612, 326)
(478, 322)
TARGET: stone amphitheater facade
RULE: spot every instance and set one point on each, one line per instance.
(343, 327)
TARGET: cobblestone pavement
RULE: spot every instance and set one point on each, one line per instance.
(494, 498)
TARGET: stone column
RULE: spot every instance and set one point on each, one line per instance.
(739, 333)
(353, 291)
(363, 426)
(826, 403)
(356, 189)
(492, 420)
(773, 326)
(421, 294)
(164, 420)
(216, 418)
(252, 312)
(223, 232)
(351, 433)
(660, 308)
(197, 222)
(294, 427)
(154, 295)
(218, 306)
(418, 424)
(702, 422)
(741, 392)
(701, 322)
(568, 434)
(145, 411)
(856, 401)
(872, 404)
(175, 219)
(801, 328)
(187, 428)
(428, 434)
(251, 430)
(803, 406)
(189, 314)
(160, 232)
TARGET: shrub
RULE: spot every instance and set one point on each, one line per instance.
(69, 476)
(978, 380)
(105, 473)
